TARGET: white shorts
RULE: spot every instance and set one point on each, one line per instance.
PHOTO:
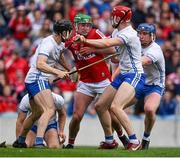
(92, 89)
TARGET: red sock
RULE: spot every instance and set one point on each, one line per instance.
(120, 133)
(71, 141)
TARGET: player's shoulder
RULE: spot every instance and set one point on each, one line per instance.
(126, 33)
(156, 47)
(48, 43)
(130, 32)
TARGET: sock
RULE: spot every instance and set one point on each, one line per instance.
(120, 133)
(39, 140)
(133, 139)
(109, 139)
(21, 139)
(71, 141)
(146, 136)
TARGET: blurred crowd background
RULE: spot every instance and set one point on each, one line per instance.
(23, 23)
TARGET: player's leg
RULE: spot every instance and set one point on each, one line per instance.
(30, 138)
(81, 102)
(118, 128)
(130, 87)
(120, 100)
(102, 105)
(44, 100)
(51, 137)
(27, 124)
(151, 104)
(35, 114)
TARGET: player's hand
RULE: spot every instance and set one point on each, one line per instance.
(62, 137)
(74, 76)
(63, 74)
(115, 60)
(79, 38)
(86, 50)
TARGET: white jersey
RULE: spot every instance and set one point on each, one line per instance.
(24, 105)
(130, 52)
(52, 50)
(155, 73)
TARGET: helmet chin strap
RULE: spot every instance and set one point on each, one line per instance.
(153, 37)
(121, 19)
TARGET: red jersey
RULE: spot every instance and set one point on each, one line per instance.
(21, 27)
(95, 73)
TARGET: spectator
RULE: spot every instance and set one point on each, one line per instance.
(14, 63)
(154, 9)
(2, 83)
(168, 105)
(8, 103)
(25, 50)
(75, 8)
(7, 45)
(20, 24)
(36, 24)
(173, 81)
(105, 22)
(139, 14)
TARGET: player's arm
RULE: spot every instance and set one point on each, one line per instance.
(20, 119)
(61, 122)
(44, 67)
(102, 43)
(109, 51)
(105, 51)
(146, 60)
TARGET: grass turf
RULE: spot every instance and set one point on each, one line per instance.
(86, 151)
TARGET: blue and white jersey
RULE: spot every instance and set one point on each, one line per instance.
(52, 50)
(24, 105)
(130, 52)
(155, 73)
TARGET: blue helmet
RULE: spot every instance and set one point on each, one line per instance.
(150, 28)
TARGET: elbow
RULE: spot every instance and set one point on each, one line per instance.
(146, 63)
(64, 114)
(63, 111)
(39, 65)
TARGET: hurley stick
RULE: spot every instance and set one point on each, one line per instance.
(87, 66)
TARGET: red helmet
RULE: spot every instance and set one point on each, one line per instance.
(120, 14)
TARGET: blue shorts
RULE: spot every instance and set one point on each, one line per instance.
(134, 79)
(35, 87)
(148, 89)
(53, 125)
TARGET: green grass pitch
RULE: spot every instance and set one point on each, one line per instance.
(85, 151)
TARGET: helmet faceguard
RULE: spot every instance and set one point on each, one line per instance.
(120, 14)
(63, 28)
